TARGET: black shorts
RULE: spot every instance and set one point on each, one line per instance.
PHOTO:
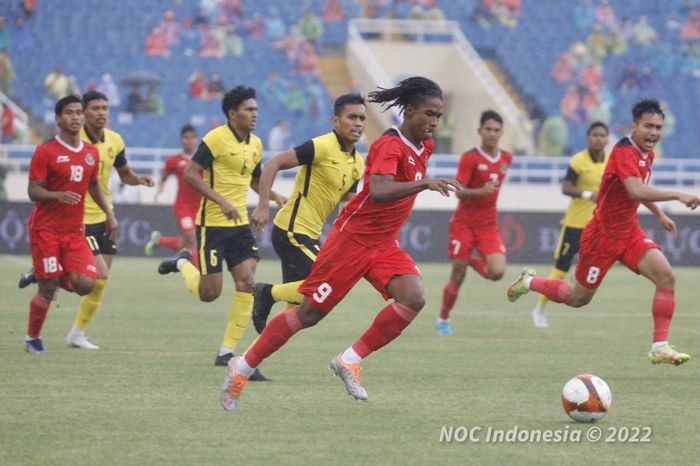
(216, 244)
(567, 247)
(98, 241)
(297, 253)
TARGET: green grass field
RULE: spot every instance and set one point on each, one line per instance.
(150, 395)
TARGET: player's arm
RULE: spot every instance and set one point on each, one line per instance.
(473, 193)
(568, 187)
(127, 176)
(383, 188)
(263, 185)
(163, 177)
(347, 197)
(38, 193)
(201, 160)
(665, 221)
(641, 192)
(98, 196)
(464, 174)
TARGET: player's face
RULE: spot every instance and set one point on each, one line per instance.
(351, 122)
(646, 131)
(189, 142)
(597, 139)
(245, 116)
(490, 132)
(71, 118)
(97, 113)
(421, 121)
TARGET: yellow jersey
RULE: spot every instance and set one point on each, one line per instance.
(230, 163)
(585, 173)
(327, 173)
(111, 148)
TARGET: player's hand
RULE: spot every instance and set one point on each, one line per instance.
(68, 197)
(280, 200)
(146, 181)
(112, 228)
(690, 201)
(229, 211)
(489, 187)
(259, 217)
(444, 186)
(668, 224)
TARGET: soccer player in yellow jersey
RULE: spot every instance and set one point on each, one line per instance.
(229, 157)
(581, 183)
(330, 171)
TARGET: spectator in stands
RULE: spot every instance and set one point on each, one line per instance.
(291, 43)
(110, 90)
(274, 26)
(171, 30)
(591, 77)
(134, 100)
(310, 26)
(29, 7)
(294, 101)
(563, 70)
(644, 34)
(617, 45)
(198, 85)
(691, 29)
(22, 39)
(598, 110)
(209, 46)
(256, 26)
(7, 72)
(553, 135)
(584, 14)
(628, 80)
(215, 87)
(5, 40)
(154, 102)
(673, 24)
(278, 139)
(8, 125)
(483, 15)
(435, 13)
(308, 63)
(190, 38)
(627, 29)
(231, 42)
(597, 43)
(57, 84)
(605, 14)
(646, 80)
(571, 106)
(314, 95)
(231, 9)
(156, 44)
(90, 85)
(333, 11)
(274, 88)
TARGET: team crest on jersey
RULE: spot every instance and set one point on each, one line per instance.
(89, 159)
(62, 159)
(482, 167)
(642, 163)
(110, 153)
(504, 169)
(355, 174)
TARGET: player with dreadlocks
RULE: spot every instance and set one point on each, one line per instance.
(364, 243)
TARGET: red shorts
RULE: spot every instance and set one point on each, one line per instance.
(185, 215)
(463, 239)
(54, 254)
(342, 262)
(599, 252)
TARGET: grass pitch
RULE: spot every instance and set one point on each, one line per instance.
(150, 394)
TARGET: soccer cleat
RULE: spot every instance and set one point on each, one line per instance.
(444, 328)
(35, 346)
(350, 373)
(666, 354)
(262, 305)
(539, 318)
(26, 278)
(152, 243)
(518, 288)
(169, 265)
(233, 385)
(223, 359)
(80, 341)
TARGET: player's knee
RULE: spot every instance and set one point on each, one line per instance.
(667, 279)
(245, 285)
(578, 301)
(82, 289)
(47, 290)
(496, 275)
(309, 316)
(208, 296)
(415, 301)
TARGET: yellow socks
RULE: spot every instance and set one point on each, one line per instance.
(287, 292)
(238, 318)
(556, 274)
(191, 276)
(90, 304)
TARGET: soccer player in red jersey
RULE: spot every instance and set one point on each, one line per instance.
(364, 243)
(474, 224)
(614, 233)
(62, 170)
(186, 201)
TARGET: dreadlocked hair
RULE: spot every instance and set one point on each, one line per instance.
(411, 91)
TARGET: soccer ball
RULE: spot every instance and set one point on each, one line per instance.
(586, 398)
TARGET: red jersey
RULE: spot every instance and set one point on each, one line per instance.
(616, 211)
(186, 195)
(475, 169)
(377, 224)
(61, 167)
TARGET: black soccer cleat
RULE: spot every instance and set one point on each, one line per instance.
(26, 278)
(223, 359)
(169, 265)
(262, 305)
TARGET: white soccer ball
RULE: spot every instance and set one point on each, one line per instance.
(586, 398)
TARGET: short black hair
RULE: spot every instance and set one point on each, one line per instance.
(65, 101)
(89, 96)
(487, 115)
(235, 97)
(347, 99)
(647, 106)
(187, 129)
(597, 124)
(411, 91)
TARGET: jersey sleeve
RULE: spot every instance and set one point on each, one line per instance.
(571, 175)
(464, 169)
(353, 188)
(95, 175)
(257, 171)
(305, 152)
(39, 167)
(203, 156)
(120, 159)
(169, 167)
(627, 165)
(387, 159)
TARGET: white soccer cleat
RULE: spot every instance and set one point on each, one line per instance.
(80, 341)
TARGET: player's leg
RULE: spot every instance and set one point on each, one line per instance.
(189, 242)
(450, 292)
(45, 249)
(239, 312)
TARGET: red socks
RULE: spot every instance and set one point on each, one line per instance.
(170, 242)
(38, 308)
(277, 332)
(662, 310)
(478, 264)
(556, 290)
(388, 325)
(449, 296)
